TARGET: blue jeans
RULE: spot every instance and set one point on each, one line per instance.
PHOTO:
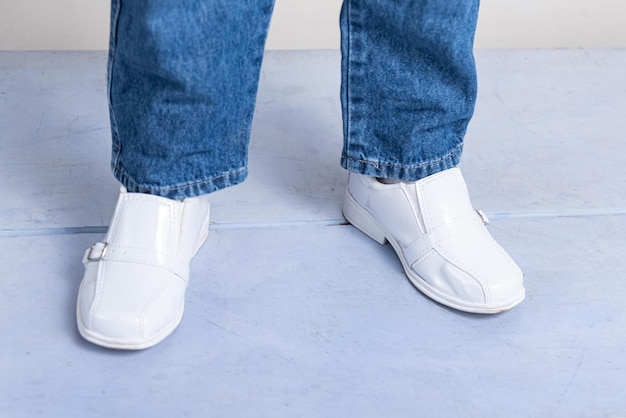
(183, 79)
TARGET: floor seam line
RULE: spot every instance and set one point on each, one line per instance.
(494, 216)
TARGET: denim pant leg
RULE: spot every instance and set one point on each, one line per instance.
(408, 85)
(182, 88)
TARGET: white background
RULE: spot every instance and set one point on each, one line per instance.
(312, 24)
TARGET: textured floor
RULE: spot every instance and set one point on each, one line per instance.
(290, 313)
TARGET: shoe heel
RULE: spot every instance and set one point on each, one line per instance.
(362, 220)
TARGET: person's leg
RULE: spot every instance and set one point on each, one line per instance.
(409, 85)
(408, 93)
(182, 85)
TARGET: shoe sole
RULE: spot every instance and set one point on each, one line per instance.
(118, 344)
(365, 222)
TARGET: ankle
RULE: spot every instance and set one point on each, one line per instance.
(392, 181)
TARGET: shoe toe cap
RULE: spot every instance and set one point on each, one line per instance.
(484, 290)
(504, 288)
(129, 305)
(474, 275)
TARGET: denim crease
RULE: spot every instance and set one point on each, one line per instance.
(408, 85)
(183, 77)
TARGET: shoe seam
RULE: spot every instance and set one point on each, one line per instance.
(98, 291)
(462, 266)
(149, 302)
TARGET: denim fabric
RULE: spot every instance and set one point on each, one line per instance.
(182, 86)
(409, 85)
(183, 79)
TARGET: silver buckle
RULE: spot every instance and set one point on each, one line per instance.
(97, 251)
(483, 217)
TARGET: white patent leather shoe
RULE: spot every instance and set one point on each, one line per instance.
(443, 244)
(132, 295)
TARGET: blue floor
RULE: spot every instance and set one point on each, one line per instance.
(292, 313)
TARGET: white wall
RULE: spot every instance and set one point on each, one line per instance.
(552, 24)
(302, 24)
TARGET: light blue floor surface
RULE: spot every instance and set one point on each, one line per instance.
(292, 313)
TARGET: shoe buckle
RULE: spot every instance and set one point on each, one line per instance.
(97, 251)
(483, 217)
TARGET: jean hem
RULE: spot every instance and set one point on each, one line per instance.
(183, 190)
(404, 172)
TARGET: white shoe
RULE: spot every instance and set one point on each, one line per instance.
(443, 244)
(133, 292)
